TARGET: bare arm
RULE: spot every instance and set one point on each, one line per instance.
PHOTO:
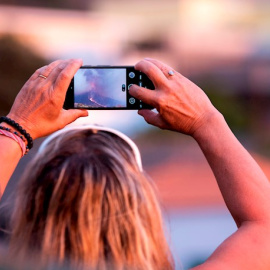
(184, 107)
(10, 155)
(246, 191)
(244, 186)
(38, 108)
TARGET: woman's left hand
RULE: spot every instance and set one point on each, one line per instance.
(181, 105)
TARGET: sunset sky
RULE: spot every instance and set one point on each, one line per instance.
(192, 36)
(198, 32)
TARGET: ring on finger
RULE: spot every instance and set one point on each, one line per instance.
(42, 76)
(171, 73)
(45, 71)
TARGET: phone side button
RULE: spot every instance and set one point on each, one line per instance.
(132, 100)
(131, 75)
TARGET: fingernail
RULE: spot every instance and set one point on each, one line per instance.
(148, 58)
(75, 60)
(79, 60)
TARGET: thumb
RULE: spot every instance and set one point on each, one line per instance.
(153, 118)
(72, 114)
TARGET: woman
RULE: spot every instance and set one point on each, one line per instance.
(85, 199)
(182, 107)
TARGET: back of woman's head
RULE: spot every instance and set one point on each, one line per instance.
(85, 200)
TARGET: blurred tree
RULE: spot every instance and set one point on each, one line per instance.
(17, 64)
(245, 108)
(60, 4)
(233, 108)
(230, 103)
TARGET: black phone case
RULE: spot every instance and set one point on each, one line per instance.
(139, 78)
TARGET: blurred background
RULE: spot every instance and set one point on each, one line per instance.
(221, 45)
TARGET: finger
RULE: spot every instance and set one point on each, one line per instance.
(65, 73)
(153, 118)
(71, 115)
(57, 70)
(37, 80)
(145, 95)
(45, 71)
(152, 71)
(163, 67)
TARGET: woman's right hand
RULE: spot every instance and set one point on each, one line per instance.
(182, 106)
(38, 107)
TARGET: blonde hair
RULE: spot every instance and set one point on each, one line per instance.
(85, 200)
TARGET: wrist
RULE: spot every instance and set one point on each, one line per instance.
(19, 130)
(15, 136)
(18, 120)
(210, 123)
(3, 124)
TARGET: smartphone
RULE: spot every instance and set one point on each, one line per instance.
(106, 88)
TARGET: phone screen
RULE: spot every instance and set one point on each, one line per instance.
(107, 87)
(100, 88)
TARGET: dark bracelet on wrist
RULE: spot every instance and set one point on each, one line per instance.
(19, 128)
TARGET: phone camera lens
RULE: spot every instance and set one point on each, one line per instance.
(131, 75)
(123, 87)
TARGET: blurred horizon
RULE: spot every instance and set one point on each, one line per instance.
(222, 46)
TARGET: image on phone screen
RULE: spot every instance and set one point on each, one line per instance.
(100, 88)
(106, 88)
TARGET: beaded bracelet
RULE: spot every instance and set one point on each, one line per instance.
(14, 136)
(19, 128)
(14, 132)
